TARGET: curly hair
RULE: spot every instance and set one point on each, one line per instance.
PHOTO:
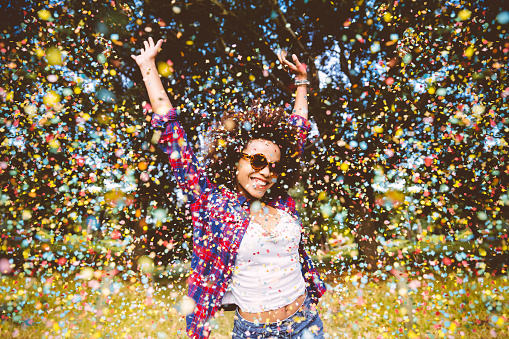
(231, 135)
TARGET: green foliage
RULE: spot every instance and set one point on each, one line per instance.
(414, 92)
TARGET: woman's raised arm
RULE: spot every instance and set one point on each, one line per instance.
(173, 140)
(146, 60)
(301, 93)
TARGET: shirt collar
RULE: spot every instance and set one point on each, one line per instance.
(242, 200)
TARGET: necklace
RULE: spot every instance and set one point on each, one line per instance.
(273, 233)
(271, 236)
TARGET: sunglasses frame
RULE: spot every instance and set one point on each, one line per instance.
(267, 163)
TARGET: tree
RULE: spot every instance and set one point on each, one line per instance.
(458, 63)
(365, 61)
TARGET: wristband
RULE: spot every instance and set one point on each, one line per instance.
(302, 82)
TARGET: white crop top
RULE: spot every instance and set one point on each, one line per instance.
(267, 273)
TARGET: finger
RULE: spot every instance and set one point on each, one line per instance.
(151, 42)
(283, 61)
(283, 57)
(296, 60)
(142, 51)
(159, 44)
(133, 56)
(145, 43)
(289, 64)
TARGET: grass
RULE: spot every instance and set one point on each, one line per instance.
(355, 306)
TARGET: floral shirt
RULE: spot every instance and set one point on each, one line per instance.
(220, 218)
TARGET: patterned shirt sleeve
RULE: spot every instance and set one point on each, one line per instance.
(189, 174)
(304, 126)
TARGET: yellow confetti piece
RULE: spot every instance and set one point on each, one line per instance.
(54, 56)
(51, 98)
(464, 14)
(412, 335)
(164, 69)
(39, 52)
(452, 328)
(322, 195)
(44, 14)
(469, 51)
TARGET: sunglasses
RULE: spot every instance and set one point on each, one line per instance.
(259, 161)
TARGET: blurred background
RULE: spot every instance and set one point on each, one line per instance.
(407, 162)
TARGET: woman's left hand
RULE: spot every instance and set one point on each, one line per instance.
(297, 68)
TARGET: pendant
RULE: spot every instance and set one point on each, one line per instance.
(272, 236)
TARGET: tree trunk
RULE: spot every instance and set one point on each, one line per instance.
(365, 237)
(473, 224)
(141, 243)
(369, 224)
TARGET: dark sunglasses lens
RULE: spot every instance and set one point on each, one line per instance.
(276, 168)
(258, 161)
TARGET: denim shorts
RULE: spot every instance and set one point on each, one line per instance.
(303, 324)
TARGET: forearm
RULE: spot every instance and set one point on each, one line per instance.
(159, 100)
(301, 93)
(301, 101)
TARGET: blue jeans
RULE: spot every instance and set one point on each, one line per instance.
(303, 324)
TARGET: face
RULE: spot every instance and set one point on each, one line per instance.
(252, 183)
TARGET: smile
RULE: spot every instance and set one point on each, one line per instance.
(259, 183)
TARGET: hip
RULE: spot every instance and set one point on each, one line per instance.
(303, 323)
(276, 315)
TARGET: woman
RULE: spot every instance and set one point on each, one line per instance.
(247, 247)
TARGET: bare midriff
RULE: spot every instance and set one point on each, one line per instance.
(273, 316)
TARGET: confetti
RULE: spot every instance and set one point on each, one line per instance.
(403, 198)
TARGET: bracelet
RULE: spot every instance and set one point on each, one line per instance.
(302, 82)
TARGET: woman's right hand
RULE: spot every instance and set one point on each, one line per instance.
(148, 54)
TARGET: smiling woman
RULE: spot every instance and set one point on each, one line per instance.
(241, 135)
(248, 253)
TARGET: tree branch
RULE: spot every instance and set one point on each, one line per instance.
(344, 67)
(279, 84)
(256, 38)
(285, 25)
